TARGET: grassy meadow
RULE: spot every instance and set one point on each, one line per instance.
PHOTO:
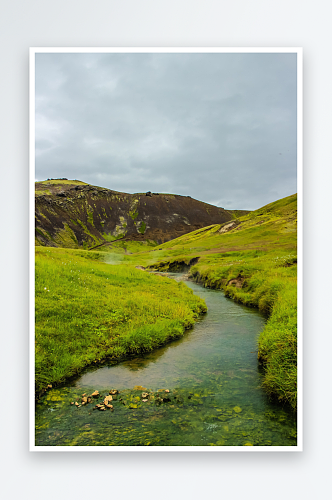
(87, 309)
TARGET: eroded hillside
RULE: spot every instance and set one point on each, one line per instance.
(73, 214)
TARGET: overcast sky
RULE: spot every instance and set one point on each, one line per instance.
(218, 127)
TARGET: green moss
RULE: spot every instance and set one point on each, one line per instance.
(43, 192)
(142, 227)
(92, 239)
(90, 216)
(41, 232)
(66, 237)
(133, 214)
(56, 182)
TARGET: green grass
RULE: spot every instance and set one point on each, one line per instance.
(261, 255)
(56, 182)
(88, 314)
(87, 310)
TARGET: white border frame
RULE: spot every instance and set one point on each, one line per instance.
(123, 50)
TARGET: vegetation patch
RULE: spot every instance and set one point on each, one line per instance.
(87, 310)
(142, 227)
(254, 263)
(84, 312)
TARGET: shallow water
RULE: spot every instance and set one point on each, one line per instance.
(215, 393)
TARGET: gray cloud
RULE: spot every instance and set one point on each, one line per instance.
(218, 127)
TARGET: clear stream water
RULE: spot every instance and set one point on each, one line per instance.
(215, 396)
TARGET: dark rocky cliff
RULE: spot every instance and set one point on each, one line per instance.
(74, 214)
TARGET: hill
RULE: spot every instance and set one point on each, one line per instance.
(73, 214)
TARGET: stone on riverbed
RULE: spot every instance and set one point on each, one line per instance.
(107, 399)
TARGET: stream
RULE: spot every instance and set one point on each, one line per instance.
(203, 390)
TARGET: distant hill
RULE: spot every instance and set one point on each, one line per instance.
(71, 213)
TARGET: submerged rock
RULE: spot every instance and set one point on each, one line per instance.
(237, 409)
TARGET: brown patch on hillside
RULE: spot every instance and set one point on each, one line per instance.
(238, 281)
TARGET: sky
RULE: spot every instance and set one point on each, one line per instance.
(219, 127)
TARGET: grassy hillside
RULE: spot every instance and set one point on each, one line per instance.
(87, 310)
(254, 260)
(84, 312)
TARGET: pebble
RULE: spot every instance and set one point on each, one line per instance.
(107, 399)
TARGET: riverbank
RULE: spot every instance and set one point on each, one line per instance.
(270, 285)
(88, 310)
(254, 261)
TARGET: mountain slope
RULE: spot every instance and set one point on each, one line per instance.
(71, 213)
